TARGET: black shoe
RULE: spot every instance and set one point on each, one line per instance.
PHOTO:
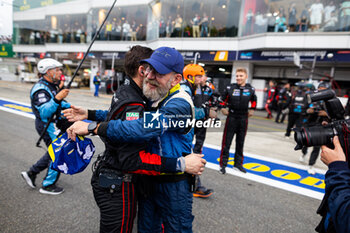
(203, 193)
(240, 168)
(29, 178)
(51, 189)
(222, 170)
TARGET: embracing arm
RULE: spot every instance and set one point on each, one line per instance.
(97, 115)
(140, 130)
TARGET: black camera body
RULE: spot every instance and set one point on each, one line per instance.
(333, 105)
(215, 101)
(322, 135)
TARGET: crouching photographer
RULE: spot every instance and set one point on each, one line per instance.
(334, 139)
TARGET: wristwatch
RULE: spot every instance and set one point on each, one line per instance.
(91, 127)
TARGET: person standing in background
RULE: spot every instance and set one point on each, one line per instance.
(316, 12)
(292, 18)
(297, 111)
(195, 25)
(284, 98)
(316, 116)
(126, 30)
(237, 97)
(345, 16)
(204, 25)
(328, 10)
(177, 26)
(97, 82)
(46, 100)
(270, 97)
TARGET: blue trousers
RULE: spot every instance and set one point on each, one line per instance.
(96, 90)
(170, 205)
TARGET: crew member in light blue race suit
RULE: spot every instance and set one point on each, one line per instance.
(171, 201)
(46, 101)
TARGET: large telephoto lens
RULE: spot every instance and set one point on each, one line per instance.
(321, 95)
(313, 136)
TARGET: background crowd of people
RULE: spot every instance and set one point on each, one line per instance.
(284, 16)
(317, 16)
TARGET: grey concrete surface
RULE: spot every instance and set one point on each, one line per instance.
(238, 205)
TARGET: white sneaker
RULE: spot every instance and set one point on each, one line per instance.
(287, 137)
(311, 170)
(302, 158)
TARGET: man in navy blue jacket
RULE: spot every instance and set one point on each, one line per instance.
(337, 188)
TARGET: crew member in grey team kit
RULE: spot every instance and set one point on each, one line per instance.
(46, 101)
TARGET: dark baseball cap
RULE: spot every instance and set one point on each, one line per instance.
(166, 60)
(324, 85)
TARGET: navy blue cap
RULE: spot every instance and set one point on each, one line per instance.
(166, 60)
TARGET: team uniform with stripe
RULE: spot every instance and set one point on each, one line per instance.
(237, 99)
(44, 105)
(118, 209)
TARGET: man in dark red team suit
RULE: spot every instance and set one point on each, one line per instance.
(271, 94)
(236, 97)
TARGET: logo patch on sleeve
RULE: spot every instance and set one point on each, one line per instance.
(130, 116)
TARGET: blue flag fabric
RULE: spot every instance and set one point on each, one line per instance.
(71, 157)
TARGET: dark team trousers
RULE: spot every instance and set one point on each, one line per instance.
(198, 147)
(235, 124)
(314, 154)
(293, 119)
(279, 113)
(117, 208)
(200, 138)
(45, 160)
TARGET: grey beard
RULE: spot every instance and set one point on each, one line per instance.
(158, 93)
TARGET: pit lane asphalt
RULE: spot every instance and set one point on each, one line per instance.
(238, 205)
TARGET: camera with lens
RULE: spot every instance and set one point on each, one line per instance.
(323, 134)
(215, 101)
